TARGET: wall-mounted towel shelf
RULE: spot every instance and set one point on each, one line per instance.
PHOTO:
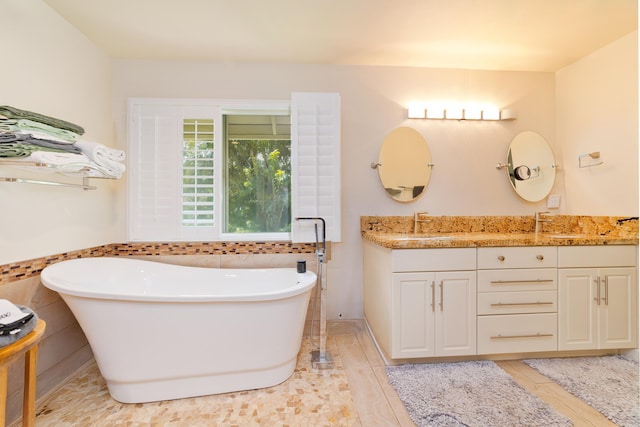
(82, 171)
(85, 182)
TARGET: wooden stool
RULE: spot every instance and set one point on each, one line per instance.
(27, 345)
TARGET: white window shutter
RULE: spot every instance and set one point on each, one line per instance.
(315, 162)
(154, 181)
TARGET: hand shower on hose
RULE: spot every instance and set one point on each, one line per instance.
(320, 251)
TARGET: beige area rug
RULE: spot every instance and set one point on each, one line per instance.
(609, 384)
(475, 393)
(307, 398)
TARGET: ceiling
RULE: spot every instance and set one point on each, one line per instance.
(519, 35)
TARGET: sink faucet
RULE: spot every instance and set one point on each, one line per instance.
(416, 220)
(539, 219)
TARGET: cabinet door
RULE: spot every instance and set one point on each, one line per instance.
(455, 309)
(577, 318)
(413, 309)
(598, 308)
(618, 308)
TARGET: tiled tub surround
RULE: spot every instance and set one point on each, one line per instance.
(64, 349)
(218, 254)
(396, 232)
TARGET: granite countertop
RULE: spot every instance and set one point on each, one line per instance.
(396, 232)
(472, 240)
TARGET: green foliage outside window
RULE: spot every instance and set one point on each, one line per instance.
(258, 186)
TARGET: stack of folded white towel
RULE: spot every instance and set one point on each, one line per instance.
(33, 137)
(96, 160)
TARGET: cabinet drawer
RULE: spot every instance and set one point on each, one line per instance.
(534, 279)
(408, 260)
(517, 333)
(491, 303)
(597, 256)
(519, 257)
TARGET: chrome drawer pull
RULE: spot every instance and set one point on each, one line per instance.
(505, 282)
(538, 335)
(503, 304)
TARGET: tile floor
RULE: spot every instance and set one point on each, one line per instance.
(354, 393)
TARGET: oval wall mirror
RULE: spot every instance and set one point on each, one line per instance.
(404, 164)
(531, 166)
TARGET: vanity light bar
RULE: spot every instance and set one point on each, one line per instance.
(489, 114)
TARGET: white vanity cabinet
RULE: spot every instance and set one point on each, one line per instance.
(598, 297)
(517, 299)
(421, 302)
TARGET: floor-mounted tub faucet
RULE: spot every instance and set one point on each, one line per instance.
(320, 359)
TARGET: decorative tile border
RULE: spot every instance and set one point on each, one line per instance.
(210, 248)
(30, 268)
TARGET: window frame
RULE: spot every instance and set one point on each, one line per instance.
(267, 108)
(190, 109)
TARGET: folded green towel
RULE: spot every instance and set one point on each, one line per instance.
(30, 126)
(15, 149)
(16, 113)
(18, 149)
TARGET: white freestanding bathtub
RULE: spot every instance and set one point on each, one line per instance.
(161, 331)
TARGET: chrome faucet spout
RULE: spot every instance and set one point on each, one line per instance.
(539, 218)
(416, 220)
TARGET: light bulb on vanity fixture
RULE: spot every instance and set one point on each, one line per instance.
(416, 111)
(435, 113)
(454, 113)
(472, 113)
(491, 114)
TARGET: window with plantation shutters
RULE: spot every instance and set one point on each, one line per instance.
(316, 189)
(188, 160)
(197, 172)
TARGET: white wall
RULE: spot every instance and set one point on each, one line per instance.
(374, 99)
(597, 105)
(49, 67)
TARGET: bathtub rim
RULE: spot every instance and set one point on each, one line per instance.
(305, 282)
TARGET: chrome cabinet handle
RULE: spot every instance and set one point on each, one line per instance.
(501, 258)
(441, 295)
(433, 296)
(597, 282)
(537, 335)
(503, 304)
(606, 291)
(506, 282)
